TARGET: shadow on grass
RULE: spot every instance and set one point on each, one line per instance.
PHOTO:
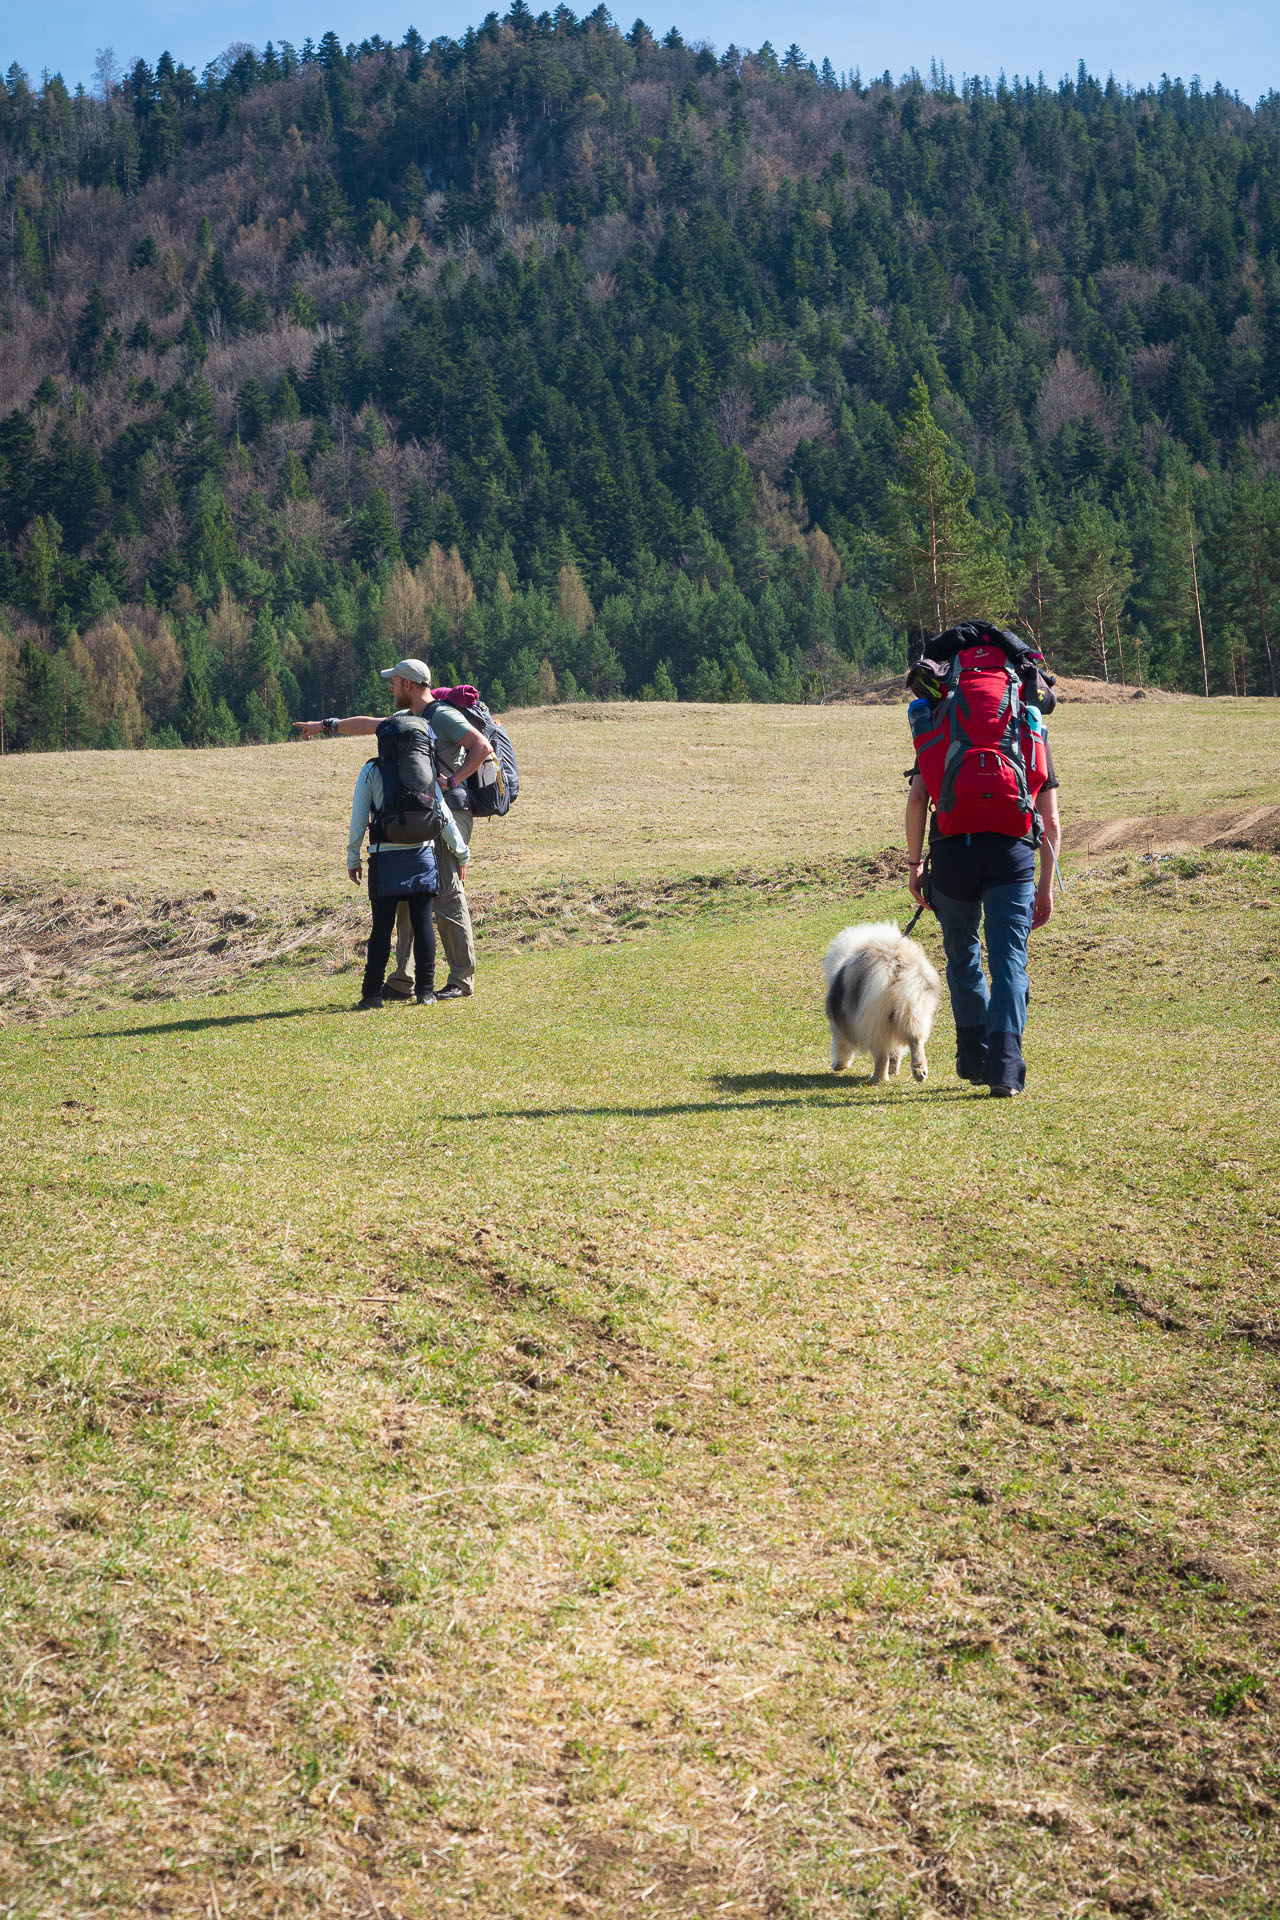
(773, 1090)
(211, 1020)
(782, 1082)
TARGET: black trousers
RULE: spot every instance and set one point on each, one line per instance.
(424, 941)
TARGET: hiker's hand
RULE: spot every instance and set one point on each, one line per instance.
(915, 875)
(308, 728)
(1042, 912)
(353, 874)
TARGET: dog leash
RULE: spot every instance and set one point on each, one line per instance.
(924, 888)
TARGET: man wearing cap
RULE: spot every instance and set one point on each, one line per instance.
(463, 749)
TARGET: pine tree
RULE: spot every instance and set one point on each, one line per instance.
(373, 534)
(224, 730)
(212, 545)
(10, 683)
(662, 686)
(195, 708)
(1247, 556)
(1170, 593)
(1093, 565)
(40, 581)
(940, 564)
(91, 325)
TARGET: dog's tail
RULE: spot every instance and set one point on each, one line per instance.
(848, 942)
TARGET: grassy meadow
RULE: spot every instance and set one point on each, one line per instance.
(567, 1453)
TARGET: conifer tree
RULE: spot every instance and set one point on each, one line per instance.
(1247, 553)
(40, 581)
(572, 600)
(195, 708)
(1170, 595)
(9, 687)
(114, 674)
(404, 612)
(1039, 581)
(1092, 563)
(663, 687)
(940, 563)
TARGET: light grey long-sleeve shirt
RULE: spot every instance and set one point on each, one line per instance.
(366, 800)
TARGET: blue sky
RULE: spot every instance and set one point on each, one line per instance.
(1235, 41)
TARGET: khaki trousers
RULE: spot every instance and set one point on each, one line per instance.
(452, 917)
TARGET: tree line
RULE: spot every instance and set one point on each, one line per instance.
(602, 365)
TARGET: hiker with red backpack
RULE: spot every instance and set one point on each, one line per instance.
(983, 764)
(478, 776)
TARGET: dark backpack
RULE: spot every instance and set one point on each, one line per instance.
(410, 812)
(487, 793)
(928, 677)
(979, 738)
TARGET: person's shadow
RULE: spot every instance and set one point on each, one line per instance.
(739, 1093)
(834, 1083)
(210, 1020)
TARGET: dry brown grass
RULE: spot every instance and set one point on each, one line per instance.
(608, 792)
(65, 947)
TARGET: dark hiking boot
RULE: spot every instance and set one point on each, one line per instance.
(454, 991)
(368, 1003)
(1006, 1071)
(971, 1055)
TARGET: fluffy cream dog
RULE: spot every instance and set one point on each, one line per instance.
(882, 994)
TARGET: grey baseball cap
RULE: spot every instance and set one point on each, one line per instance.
(409, 670)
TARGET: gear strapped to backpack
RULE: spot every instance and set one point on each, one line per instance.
(977, 728)
(410, 813)
(492, 789)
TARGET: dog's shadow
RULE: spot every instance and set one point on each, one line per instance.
(776, 1082)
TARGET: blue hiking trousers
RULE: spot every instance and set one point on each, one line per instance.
(975, 879)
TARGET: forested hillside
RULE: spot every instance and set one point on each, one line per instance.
(597, 364)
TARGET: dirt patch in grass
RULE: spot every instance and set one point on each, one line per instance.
(1248, 829)
(65, 947)
(1081, 691)
(59, 949)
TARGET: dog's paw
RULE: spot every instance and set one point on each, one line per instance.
(921, 1072)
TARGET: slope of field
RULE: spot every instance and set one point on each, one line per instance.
(567, 1453)
(162, 872)
(613, 791)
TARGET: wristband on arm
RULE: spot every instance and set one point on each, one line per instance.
(328, 728)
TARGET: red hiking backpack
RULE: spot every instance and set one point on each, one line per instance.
(980, 748)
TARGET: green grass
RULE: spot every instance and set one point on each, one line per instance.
(568, 1453)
